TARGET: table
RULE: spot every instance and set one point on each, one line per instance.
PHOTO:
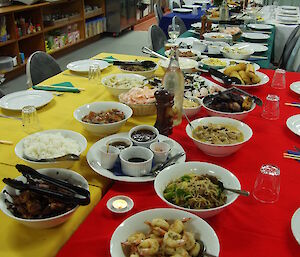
(188, 19)
(262, 63)
(247, 228)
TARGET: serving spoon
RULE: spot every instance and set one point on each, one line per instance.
(202, 251)
(67, 157)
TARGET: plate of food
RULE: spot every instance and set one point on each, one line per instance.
(246, 74)
(260, 26)
(116, 173)
(201, 194)
(235, 62)
(295, 225)
(216, 36)
(258, 48)
(84, 65)
(140, 70)
(189, 229)
(187, 53)
(214, 63)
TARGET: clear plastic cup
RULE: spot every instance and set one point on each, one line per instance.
(94, 74)
(278, 80)
(271, 108)
(267, 184)
(30, 120)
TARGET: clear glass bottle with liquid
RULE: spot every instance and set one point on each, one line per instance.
(173, 82)
(224, 11)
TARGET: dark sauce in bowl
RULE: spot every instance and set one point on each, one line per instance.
(143, 135)
(136, 159)
(121, 145)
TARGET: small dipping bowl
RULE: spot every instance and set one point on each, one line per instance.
(120, 142)
(160, 150)
(136, 161)
(145, 140)
(213, 49)
(120, 204)
(108, 156)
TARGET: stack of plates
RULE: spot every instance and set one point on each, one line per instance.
(182, 10)
(288, 15)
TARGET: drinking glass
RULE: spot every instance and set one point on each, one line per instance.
(278, 80)
(95, 73)
(267, 184)
(271, 108)
(173, 31)
(30, 120)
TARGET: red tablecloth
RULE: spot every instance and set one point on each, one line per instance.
(246, 228)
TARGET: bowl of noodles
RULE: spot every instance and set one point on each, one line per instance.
(219, 136)
(187, 186)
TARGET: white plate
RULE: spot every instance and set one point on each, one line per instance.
(190, 6)
(293, 123)
(16, 101)
(295, 87)
(260, 26)
(182, 10)
(288, 12)
(216, 36)
(202, 1)
(84, 65)
(294, 22)
(256, 36)
(197, 53)
(188, 41)
(198, 25)
(287, 7)
(264, 79)
(258, 48)
(186, 64)
(136, 222)
(94, 162)
(295, 225)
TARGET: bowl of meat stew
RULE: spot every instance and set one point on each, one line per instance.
(103, 118)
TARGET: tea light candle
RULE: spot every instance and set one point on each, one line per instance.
(120, 204)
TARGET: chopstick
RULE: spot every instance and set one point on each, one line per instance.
(291, 156)
(80, 89)
(293, 104)
(5, 142)
(10, 117)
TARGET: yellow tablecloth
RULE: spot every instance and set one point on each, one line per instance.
(18, 240)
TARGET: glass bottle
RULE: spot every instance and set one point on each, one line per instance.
(173, 82)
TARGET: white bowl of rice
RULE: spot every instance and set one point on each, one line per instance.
(50, 144)
(182, 171)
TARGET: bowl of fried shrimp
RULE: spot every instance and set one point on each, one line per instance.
(192, 187)
(163, 232)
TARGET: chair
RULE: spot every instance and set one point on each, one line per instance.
(294, 58)
(40, 66)
(1, 93)
(175, 5)
(178, 21)
(157, 37)
(158, 13)
(289, 46)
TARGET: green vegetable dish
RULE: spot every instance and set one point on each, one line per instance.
(195, 192)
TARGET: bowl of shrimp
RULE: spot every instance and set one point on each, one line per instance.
(163, 232)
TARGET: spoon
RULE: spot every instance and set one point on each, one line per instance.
(67, 157)
(188, 120)
(215, 181)
(202, 251)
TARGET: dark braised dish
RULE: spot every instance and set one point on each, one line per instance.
(143, 135)
(228, 102)
(105, 117)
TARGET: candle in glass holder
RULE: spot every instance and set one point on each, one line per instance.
(119, 204)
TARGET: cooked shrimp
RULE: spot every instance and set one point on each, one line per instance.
(168, 250)
(136, 238)
(134, 255)
(173, 239)
(159, 226)
(182, 252)
(189, 239)
(195, 250)
(177, 226)
(148, 247)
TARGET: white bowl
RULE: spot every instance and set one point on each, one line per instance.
(63, 174)
(116, 91)
(219, 150)
(216, 36)
(244, 55)
(192, 111)
(102, 129)
(178, 170)
(147, 127)
(232, 115)
(186, 64)
(136, 222)
(197, 54)
(149, 73)
(80, 139)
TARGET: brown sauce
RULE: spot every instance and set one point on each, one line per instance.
(136, 159)
(143, 135)
(119, 144)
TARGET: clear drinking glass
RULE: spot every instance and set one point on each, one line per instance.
(30, 120)
(271, 108)
(278, 80)
(95, 73)
(267, 184)
(173, 31)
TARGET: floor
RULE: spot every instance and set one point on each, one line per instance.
(122, 45)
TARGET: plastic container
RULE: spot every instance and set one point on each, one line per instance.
(6, 63)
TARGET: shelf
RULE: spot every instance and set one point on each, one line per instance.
(18, 67)
(65, 47)
(7, 42)
(19, 8)
(30, 35)
(62, 24)
(93, 14)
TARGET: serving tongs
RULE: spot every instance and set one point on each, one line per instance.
(226, 79)
(69, 193)
(146, 64)
(146, 50)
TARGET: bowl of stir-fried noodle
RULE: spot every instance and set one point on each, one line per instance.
(219, 136)
(179, 233)
(187, 186)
